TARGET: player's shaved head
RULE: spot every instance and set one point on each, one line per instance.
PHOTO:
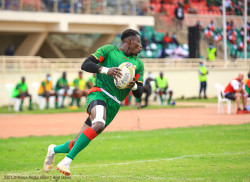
(241, 76)
(128, 33)
(23, 79)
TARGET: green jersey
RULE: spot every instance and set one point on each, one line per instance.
(111, 56)
(61, 83)
(21, 87)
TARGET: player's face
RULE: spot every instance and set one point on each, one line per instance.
(135, 47)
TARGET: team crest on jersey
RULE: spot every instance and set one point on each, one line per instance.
(135, 67)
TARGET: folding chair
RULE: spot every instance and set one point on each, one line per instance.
(15, 102)
(222, 99)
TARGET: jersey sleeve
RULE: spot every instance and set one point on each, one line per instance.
(139, 73)
(235, 84)
(102, 52)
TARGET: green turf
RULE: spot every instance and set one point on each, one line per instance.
(197, 100)
(208, 153)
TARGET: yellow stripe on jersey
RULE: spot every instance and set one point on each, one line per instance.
(95, 56)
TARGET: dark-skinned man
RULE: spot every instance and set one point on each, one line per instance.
(21, 91)
(103, 101)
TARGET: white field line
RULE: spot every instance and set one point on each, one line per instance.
(134, 162)
(139, 178)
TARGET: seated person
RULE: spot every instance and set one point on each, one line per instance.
(162, 89)
(62, 87)
(21, 91)
(235, 90)
(46, 90)
(147, 89)
(91, 81)
(77, 89)
(248, 84)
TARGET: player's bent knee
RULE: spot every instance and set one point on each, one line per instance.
(98, 127)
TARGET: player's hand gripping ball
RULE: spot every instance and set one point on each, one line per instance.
(128, 73)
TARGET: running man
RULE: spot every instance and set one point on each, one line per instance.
(103, 101)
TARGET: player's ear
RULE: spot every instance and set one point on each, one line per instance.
(129, 41)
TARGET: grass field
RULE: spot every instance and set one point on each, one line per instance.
(208, 153)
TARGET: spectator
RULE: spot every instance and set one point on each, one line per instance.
(174, 40)
(144, 43)
(91, 81)
(64, 6)
(209, 33)
(62, 88)
(211, 53)
(49, 5)
(21, 91)
(10, 51)
(228, 26)
(235, 90)
(248, 84)
(46, 90)
(232, 36)
(162, 89)
(199, 25)
(203, 72)
(240, 46)
(167, 39)
(127, 7)
(211, 26)
(238, 8)
(179, 14)
(78, 6)
(78, 89)
(217, 37)
(147, 89)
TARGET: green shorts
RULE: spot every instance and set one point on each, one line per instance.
(112, 106)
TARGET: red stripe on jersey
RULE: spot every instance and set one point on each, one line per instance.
(90, 133)
(94, 89)
(101, 59)
(137, 77)
(70, 144)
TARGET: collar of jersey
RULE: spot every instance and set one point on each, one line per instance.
(125, 54)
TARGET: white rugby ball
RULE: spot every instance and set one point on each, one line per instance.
(128, 73)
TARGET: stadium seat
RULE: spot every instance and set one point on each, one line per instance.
(15, 102)
(222, 99)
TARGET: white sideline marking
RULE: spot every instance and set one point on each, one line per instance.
(134, 162)
(155, 160)
(137, 177)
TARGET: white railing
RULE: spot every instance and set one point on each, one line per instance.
(114, 7)
(22, 65)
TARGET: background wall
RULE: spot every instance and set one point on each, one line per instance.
(182, 82)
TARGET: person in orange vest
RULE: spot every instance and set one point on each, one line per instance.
(235, 90)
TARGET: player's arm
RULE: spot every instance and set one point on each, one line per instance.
(91, 65)
(137, 84)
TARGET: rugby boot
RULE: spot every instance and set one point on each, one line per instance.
(63, 166)
(49, 159)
